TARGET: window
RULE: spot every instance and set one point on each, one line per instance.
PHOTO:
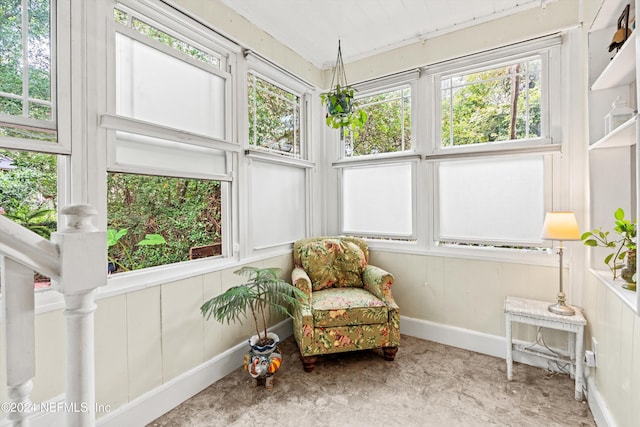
(492, 201)
(27, 92)
(388, 128)
(155, 220)
(274, 117)
(377, 200)
(378, 167)
(169, 144)
(29, 118)
(497, 104)
(492, 157)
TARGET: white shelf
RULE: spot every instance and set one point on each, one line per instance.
(628, 297)
(622, 136)
(622, 68)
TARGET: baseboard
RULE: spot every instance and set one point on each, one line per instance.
(479, 342)
(164, 398)
(599, 409)
(160, 400)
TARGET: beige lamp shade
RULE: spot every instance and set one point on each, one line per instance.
(560, 226)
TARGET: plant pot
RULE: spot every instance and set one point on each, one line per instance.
(262, 361)
(266, 348)
(339, 104)
(629, 270)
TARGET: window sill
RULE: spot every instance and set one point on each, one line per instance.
(542, 258)
(630, 298)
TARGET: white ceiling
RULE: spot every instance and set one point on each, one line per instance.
(312, 28)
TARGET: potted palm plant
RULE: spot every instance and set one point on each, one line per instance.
(624, 245)
(262, 291)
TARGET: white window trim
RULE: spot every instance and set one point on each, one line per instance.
(550, 144)
(549, 121)
(59, 104)
(273, 74)
(414, 161)
(371, 87)
(381, 85)
(188, 30)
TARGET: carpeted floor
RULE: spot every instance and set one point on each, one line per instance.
(428, 384)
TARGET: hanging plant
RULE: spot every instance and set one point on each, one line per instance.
(342, 109)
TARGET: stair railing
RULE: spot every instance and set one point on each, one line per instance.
(75, 260)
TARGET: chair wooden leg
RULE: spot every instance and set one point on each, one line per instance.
(309, 362)
(389, 353)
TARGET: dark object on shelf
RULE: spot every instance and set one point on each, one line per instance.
(623, 32)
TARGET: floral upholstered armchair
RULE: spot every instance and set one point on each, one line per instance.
(349, 303)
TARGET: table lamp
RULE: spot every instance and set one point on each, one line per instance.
(560, 226)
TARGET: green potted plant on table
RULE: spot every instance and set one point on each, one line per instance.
(624, 245)
(262, 291)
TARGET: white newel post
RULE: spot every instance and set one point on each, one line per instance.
(83, 268)
(18, 306)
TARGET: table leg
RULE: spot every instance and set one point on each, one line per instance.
(572, 353)
(509, 349)
(579, 363)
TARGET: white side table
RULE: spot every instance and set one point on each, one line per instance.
(537, 313)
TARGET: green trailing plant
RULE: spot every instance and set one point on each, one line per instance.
(114, 238)
(625, 240)
(263, 289)
(342, 109)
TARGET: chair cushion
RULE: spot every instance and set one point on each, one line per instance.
(332, 263)
(347, 306)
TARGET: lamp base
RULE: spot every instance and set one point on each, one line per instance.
(561, 309)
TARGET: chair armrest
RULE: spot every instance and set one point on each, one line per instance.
(301, 280)
(378, 282)
(302, 317)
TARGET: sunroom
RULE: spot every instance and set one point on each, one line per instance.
(151, 148)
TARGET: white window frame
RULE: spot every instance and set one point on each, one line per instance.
(549, 144)
(60, 106)
(400, 238)
(411, 85)
(270, 73)
(380, 85)
(264, 69)
(181, 27)
(364, 89)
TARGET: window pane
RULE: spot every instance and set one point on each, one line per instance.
(186, 213)
(274, 117)
(25, 71)
(388, 128)
(155, 33)
(156, 87)
(377, 200)
(491, 200)
(278, 204)
(499, 104)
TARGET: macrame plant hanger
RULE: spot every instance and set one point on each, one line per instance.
(339, 77)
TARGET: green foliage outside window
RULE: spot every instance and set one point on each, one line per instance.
(28, 192)
(477, 107)
(185, 212)
(388, 128)
(274, 117)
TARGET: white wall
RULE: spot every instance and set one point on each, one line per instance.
(616, 328)
(143, 339)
